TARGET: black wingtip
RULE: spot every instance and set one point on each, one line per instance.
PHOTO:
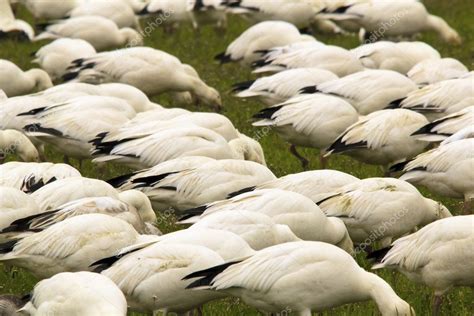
(339, 146)
(260, 63)
(267, 113)
(8, 246)
(151, 180)
(378, 255)
(196, 211)
(223, 58)
(104, 264)
(241, 86)
(70, 76)
(398, 166)
(23, 224)
(395, 104)
(244, 190)
(117, 182)
(309, 89)
(207, 275)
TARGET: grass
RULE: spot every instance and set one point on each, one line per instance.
(198, 50)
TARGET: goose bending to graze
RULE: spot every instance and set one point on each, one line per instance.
(15, 204)
(14, 81)
(261, 36)
(11, 26)
(332, 58)
(140, 216)
(85, 293)
(369, 90)
(438, 255)
(310, 121)
(15, 142)
(411, 17)
(443, 128)
(56, 56)
(446, 170)
(303, 277)
(283, 85)
(118, 11)
(399, 57)
(296, 211)
(29, 177)
(369, 204)
(430, 71)
(71, 245)
(257, 229)
(151, 278)
(312, 184)
(100, 32)
(441, 98)
(205, 183)
(150, 70)
(382, 137)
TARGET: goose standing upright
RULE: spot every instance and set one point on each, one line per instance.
(303, 277)
(13, 81)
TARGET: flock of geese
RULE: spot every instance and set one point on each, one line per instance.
(280, 244)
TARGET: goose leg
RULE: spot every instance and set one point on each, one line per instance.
(66, 160)
(467, 206)
(438, 299)
(322, 160)
(303, 160)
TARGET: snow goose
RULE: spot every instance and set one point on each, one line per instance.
(298, 212)
(314, 184)
(368, 90)
(464, 133)
(310, 121)
(257, 229)
(336, 59)
(56, 56)
(382, 137)
(50, 9)
(13, 81)
(151, 278)
(283, 85)
(141, 218)
(441, 98)
(446, 170)
(273, 52)
(205, 183)
(411, 17)
(438, 255)
(29, 177)
(431, 71)
(399, 57)
(443, 128)
(100, 32)
(150, 70)
(15, 204)
(84, 293)
(298, 13)
(118, 11)
(381, 209)
(71, 245)
(261, 36)
(15, 142)
(11, 26)
(293, 276)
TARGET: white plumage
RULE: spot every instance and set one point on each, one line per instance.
(15, 142)
(50, 9)
(15, 204)
(431, 71)
(14, 81)
(77, 293)
(12, 26)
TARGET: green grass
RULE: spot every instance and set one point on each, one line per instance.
(198, 50)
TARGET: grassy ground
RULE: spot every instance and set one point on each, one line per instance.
(198, 49)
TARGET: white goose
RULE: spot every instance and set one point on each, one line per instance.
(309, 121)
(71, 245)
(15, 204)
(382, 137)
(100, 32)
(262, 36)
(411, 17)
(464, 133)
(369, 90)
(13, 81)
(441, 98)
(11, 26)
(280, 87)
(446, 170)
(273, 52)
(430, 71)
(15, 142)
(205, 183)
(50, 9)
(399, 57)
(437, 255)
(443, 128)
(296, 211)
(151, 278)
(29, 177)
(257, 229)
(333, 58)
(150, 70)
(140, 216)
(56, 56)
(296, 276)
(315, 184)
(381, 209)
(85, 293)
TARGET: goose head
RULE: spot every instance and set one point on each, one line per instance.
(435, 211)
(141, 203)
(28, 152)
(40, 78)
(130, 37)
(247, 148)
(209, 96)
